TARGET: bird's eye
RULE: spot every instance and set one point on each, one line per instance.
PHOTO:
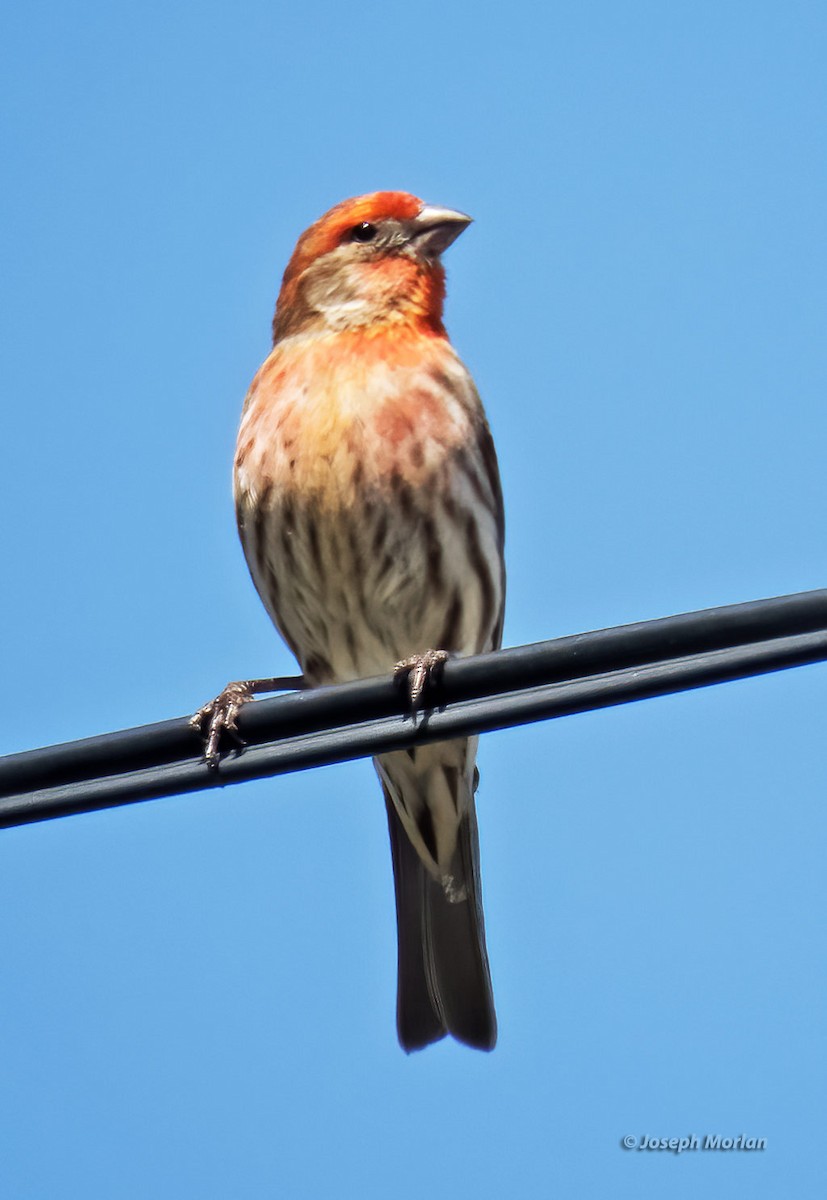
(363, 232)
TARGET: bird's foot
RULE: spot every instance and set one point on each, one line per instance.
(220, 715)
(418, 672)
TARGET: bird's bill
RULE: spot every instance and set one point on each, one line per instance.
(434, 228)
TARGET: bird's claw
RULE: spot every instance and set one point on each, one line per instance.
(220, 715)
(418, 672)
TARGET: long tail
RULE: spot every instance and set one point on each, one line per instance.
(444, 983)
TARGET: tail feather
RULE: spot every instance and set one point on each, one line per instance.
(418, 1021)
(444, 982)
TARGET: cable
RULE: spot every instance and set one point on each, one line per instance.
(476, 695)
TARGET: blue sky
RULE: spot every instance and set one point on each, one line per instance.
(198, 993)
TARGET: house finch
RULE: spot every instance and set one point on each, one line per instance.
(370, 512)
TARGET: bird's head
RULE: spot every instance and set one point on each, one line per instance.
(369, 261)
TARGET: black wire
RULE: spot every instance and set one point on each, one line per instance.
(492, 691)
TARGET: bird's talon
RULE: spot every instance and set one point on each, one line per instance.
(419, 672)
(220, 716)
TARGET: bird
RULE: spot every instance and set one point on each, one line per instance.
(370, 512)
